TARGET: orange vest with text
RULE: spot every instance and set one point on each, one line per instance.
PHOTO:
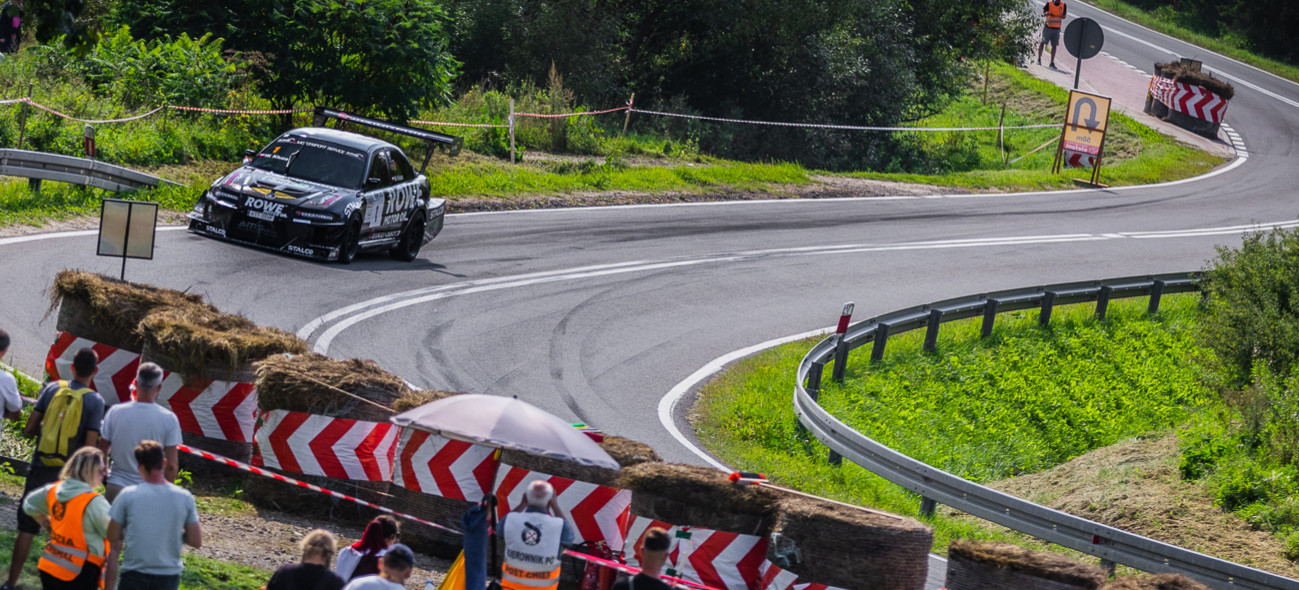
(1054, 14)
(67, 552)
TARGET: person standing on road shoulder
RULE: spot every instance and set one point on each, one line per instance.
(152, 519)
(1054, 11)
(11, 404)
(66, 417)
(128, 424)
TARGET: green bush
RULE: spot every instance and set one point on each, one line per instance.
(146, 74)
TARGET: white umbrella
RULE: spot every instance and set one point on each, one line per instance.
(506, 423)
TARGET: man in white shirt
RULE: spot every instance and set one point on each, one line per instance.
(11, 405)
(128, 424)
(397, 565)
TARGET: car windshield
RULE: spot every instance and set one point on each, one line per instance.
(314, 161)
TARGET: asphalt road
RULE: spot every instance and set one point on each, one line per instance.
(595, 314)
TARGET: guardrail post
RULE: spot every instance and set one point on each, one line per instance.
(34, 185)
(1156, 292)
(931, 330)
(841, 347)
(835, 458)
(927, 506)
(1103, 301)
(1048, 301)
(881, 338)
(989, 316)
(813, 388)
(1109, 567)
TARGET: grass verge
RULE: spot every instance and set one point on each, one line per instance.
(746, 418)
(1229, 47)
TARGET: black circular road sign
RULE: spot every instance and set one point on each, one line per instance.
(1083, 38)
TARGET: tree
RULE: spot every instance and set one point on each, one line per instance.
(382, 57)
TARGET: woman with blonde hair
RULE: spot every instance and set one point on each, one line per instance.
(78, 521)
(313, 572)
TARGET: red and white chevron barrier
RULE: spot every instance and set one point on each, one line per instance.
(598, 512)
(340, 448)
(1188, 99)
(774, 577)
(225, 410)
(1074, 159)
(714, 558)
(443, 467)
(117, 367)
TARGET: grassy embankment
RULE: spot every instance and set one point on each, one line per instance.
(1023, 400)
(195, 149)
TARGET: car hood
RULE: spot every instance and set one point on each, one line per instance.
(268, 185)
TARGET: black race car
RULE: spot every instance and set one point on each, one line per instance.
(327, 194)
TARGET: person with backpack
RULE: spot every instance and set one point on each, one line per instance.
(66, 417)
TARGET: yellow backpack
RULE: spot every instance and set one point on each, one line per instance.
(59, 425)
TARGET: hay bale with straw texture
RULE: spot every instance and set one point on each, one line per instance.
(625, 451)
(198, 341)
(688, 495)
(1155, 582)
(1182, 74)
(108, 311)
(317, 384)
(839, 545)
(412, 399)
(975, 565)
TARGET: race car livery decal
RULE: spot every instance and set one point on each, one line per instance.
(398, 202)
(263, 209)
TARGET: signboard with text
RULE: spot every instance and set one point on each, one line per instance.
(1086, 119)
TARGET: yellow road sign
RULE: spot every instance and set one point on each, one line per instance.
(1087, 112)
(1082, 140)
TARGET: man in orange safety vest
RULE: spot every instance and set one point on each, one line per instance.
(1054, 12)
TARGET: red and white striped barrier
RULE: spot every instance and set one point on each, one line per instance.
(1074, 159)
(117, 367)
(239, 112)
(598, 512)
(440, 466)
(340, 448)
(1188, 99)
(774, 577)
(714, 558)
(225, 410)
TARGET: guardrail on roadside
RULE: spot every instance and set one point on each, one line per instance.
(39, 166)
(935, 485)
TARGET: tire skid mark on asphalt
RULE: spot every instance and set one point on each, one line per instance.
(344, 318)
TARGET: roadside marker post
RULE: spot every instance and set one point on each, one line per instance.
(841, 347)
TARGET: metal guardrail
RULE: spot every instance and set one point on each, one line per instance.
(59, 168)
(936, 485)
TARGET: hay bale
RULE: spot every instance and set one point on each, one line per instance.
(973, 565)
(1182, 73)
(839, 545)
(412, 399)
(688, 495)
(196, 341)
(108, 311)
(1155, 582)
(625, 451)
(317, 384)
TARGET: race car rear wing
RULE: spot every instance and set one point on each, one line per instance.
(434, 139)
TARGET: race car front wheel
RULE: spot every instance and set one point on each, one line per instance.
(351, 242)
(412, 239)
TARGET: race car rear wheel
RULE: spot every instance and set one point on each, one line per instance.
(411, 240)
(351, 242)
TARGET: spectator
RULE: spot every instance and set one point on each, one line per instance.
(11, 19)
(73, 422)
(398, 562)
(535, 534)
(318, 547)
(362, 557)
(78, 521)
(128, 424)
(11, 405)
(653, 554)
(152, 519)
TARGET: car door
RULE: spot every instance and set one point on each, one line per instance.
(375, 193)
(406, 188)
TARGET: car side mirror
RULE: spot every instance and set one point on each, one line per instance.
(249, 155)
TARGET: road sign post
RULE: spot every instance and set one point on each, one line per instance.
(126, 230)
(1083, 39)
(1086, 119)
